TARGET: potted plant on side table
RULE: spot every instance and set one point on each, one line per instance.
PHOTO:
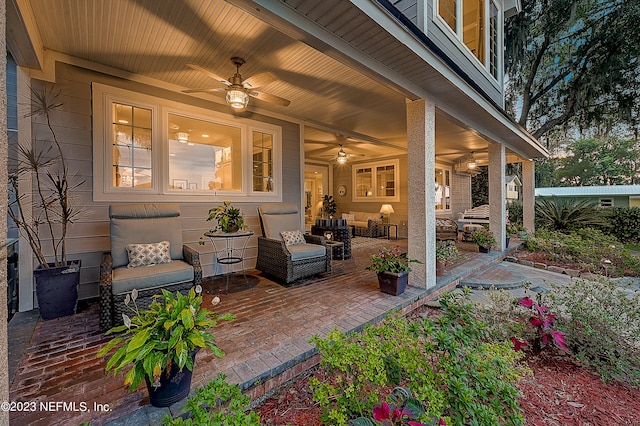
(392, 267)
(446, 252)
(160, 341)
(484, 239)
(44, 215)
(229, 218)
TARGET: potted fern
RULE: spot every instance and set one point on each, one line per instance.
(43, 216)
(160, 343)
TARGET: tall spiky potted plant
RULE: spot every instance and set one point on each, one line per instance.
(43, 216)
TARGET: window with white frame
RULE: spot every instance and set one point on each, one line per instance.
(443, 188)
(477, 24)
(376, 181)
(148, 149)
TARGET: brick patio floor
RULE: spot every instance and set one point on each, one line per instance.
(265, 346)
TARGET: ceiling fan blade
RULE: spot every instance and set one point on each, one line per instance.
(273, 99)
(219, 89)
(259, 80)
(210, 74)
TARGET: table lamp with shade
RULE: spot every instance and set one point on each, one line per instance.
(386, 211)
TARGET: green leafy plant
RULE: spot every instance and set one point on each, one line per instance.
(484, 238)
(563, 214)
(447, 251)
(391, 260)
(457, 375)
(602, 322)
(228, 218)
(160, 338)
(218, 403)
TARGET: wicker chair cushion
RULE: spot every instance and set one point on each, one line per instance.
(278, 217)
(144, 224)
(126, 279)
(148, 254)
(306, 251)
(293, 238)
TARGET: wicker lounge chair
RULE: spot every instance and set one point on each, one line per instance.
(144, 224)
(288, 263)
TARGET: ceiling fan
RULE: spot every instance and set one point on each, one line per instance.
(341, 157)
(238, 90)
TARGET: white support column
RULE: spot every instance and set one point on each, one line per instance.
(528, 195)
(421, 135)
(497, 194)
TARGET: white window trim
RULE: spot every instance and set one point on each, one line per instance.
(373, 165)
(450, 170)
(104, 96)
(456, 39)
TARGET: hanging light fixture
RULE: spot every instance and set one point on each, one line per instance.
(342, 156)
(182, 137)
(472, 163)
(237, 98)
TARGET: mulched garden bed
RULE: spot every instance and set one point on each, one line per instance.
(560, 393)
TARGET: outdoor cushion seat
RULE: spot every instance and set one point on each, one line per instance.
(147, 229)
(126, 279)
(306, 251)
(290, 263)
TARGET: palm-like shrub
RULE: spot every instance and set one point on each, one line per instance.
(566, 213)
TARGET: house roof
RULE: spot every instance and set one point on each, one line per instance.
(587, 191)
(513, 179)
(347, 69)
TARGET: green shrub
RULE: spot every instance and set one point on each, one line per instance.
(602, 326)
(218, 403)
(447, 363)
(623, 223)
(588, 247)
(515, 212)
(563, 214)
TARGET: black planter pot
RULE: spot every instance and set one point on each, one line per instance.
(173, 388)
(57, 289)
(484, 249)
(393, 283)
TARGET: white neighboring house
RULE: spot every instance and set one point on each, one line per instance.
(513, 188)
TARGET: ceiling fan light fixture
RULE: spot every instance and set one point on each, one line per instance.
(237, 99)
(341, 160)
(472, 163)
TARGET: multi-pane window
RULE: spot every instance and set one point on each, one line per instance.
(493, 39)
(376, 181)
(204, 155)
(149, 149)
(262, 162)
(443, 188)
(132, 147)
(476, 23)
(473, 27)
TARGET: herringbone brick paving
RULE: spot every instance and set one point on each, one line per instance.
(270, 334)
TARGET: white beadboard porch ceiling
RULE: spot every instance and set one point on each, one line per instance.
(158, 38)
